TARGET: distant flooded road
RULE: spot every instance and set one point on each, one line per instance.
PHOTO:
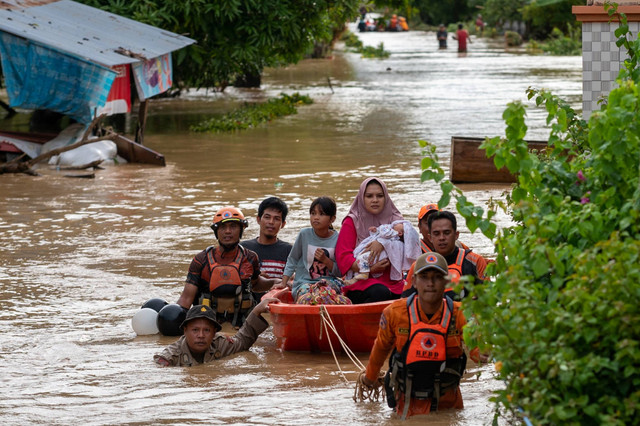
(80, 256)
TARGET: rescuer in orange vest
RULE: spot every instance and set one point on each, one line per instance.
(443, 233)
(425, 333)
(223, 277)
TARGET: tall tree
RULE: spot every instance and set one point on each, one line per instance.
(436, 12)
(545, 15)
(497, 12)
(432, 12)
(237, 38)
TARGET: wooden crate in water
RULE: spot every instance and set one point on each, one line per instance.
(469, 163)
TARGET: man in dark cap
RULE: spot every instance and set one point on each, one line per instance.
(201, 341)
(426, 332)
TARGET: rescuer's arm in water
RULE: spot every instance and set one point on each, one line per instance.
(220, 345)
(382, 346)
(248, 333)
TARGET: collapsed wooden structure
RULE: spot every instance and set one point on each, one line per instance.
(83, 62)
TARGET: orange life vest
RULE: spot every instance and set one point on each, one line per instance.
(455, 272)
(224, 274)
(455, 269)
(237, 307)
(425, 248)
(428, 342)
(422, 369)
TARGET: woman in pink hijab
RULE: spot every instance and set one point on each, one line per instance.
(372, 207)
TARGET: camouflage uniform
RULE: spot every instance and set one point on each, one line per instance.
(178, 352)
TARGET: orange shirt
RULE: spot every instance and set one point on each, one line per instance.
(394, 331)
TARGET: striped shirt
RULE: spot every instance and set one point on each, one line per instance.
(273, 257)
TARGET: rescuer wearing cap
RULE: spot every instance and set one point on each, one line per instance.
(439, 228)
(201, 341)
(425, 370)
(423, 226)
(223, 277)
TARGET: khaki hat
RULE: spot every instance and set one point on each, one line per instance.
(201, 311)
(431, 260)
(426, 209)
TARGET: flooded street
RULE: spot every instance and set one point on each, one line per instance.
(78, 257)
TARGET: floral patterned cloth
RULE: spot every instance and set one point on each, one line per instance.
(324, 292)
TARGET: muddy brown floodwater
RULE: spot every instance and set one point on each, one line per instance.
(78, 257)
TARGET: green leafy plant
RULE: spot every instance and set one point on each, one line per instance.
(375, 52)
(512, 38)
(252, 115)
(534, 47)
(561, 316)
(355, 44)
(559, 44)
(351, 40)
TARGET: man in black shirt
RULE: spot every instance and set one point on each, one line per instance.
(272, 252)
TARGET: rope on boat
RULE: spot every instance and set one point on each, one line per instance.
(361, 393)
(327, 324)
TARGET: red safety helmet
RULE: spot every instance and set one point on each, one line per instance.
(228, 214)
(426, 209)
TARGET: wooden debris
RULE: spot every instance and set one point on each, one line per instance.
(91, 165)
(17, 166)
(83, 175)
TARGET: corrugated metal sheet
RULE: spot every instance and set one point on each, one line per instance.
(86, 32)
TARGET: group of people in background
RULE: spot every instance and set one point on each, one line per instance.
(369, 260)
(461, 35)
(399, 23)
(386, 22)
(376, 255)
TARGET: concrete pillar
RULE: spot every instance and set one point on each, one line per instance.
(601, 58)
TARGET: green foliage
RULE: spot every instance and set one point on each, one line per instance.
(534, 47)
(512, 38)
(497, 12)
(352, 41)
(375, 52)
(405, 8)
(355, 44)
(541, 16)
(559, 44)
(545, 15)
(562, 315)
(435, 12)
(252, 115)
(237, 38)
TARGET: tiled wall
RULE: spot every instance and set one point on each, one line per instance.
(601, 61)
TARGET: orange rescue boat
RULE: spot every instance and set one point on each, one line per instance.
(300, 327)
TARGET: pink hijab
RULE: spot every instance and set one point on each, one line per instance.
(363, 220)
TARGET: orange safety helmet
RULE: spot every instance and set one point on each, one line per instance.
(228, 214)
(426, 209)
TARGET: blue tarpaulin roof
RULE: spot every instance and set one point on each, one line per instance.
(57, 54)
(86, 32)
(40, 78)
